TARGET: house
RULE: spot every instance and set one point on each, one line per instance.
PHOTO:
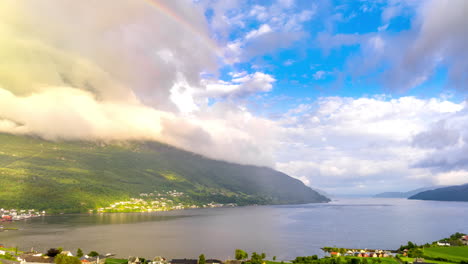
(443, 244)
(183, 261)
(134, 260)
(67, 253)
(464, 240)
(374, 255)
(34, 258)
(159, 260)
(335, 254)
(213, 261)
(420, 261)
(233, 261)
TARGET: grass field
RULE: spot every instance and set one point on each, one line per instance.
(455, 254)
(410, 260)
(116, 261)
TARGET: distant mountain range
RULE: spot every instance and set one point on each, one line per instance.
(74, 176)
(451, 193)
(404, 194)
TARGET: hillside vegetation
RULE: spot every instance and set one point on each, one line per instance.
(452, 193)
(455, 254)
(77, 176)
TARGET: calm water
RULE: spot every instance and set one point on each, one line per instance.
(283, 231)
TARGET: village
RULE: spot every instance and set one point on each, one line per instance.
(19, 214)
(147, 202)
(406, 254)
(155, 202)
(53, 255)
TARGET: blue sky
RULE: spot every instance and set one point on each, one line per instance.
(306, 66)
(352, 97)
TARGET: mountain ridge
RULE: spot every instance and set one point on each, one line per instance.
(456, 193)
(75, 176)
(405, 194)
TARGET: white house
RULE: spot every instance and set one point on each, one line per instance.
(444, 244)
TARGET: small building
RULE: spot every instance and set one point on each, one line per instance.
(335, 254)
(464, 240)
(159, 260)
(183, 261)
(134, 260)
(32, 258)
(233, 261)
(67, 253)
(213, 261)
(443, 244)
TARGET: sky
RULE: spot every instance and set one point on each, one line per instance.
(351, 97)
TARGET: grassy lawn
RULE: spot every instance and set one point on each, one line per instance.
(427, 260)
(115, 261)
(455, 254)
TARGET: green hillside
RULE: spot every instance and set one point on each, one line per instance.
(451, 193)
(77, 176)
(455, 254)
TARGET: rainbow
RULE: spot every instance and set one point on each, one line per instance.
(184, 23)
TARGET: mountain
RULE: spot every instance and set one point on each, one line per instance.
(74, 176)
(404, 194)
(451, 193)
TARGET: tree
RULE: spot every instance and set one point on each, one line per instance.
(93, 254)
(241, 254)
(79, 253)
(263, 255)
(201, 259)
(256, 258)
(274, 257)
(52, 252)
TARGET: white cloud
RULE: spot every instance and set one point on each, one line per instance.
(263, 29)
(436, 39)
(281, 24)
(452, 178)
(339, 143)
(241, 85)
(319, 75)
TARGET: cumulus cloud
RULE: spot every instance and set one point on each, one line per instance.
(123, 70)
(446, 142)
(437, 38)
(280, 25)
(361, 145)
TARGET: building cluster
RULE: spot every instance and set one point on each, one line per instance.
(36, 258)
(161, 260)
(154, 202)
(463, 240)
(364, 253)
(142, 205)
(18, 214)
